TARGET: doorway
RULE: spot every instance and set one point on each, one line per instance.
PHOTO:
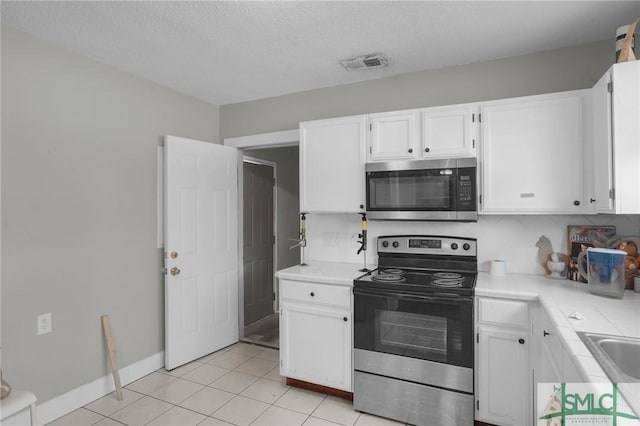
(258, 247)
(261, 318)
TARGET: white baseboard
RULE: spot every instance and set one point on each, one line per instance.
(76, 398)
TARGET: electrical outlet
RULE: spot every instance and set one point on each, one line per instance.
(44, 324)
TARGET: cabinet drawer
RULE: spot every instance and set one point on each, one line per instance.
(315, 292)
(505, 312)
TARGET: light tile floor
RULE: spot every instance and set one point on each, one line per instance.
(239, 385)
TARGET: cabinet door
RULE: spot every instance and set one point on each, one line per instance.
(503, 376)
(315, 345)
(532, 158)
(602, 146)
(393, 136)
(332, 155)
(449, 131)
(626, 134)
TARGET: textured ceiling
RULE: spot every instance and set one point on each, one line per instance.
(226, 52)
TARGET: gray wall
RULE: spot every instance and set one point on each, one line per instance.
(79, 211)
(572, 68)
(288, 194)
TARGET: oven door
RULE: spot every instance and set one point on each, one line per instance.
(425, 327)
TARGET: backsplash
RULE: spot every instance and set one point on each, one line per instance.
(511, 238)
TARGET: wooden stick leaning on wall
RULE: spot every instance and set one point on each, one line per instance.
(626, 53)
(113, 356)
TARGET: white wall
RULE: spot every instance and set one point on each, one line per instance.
(576, 67)
(79, 144)
(507, 237)
(511, 238)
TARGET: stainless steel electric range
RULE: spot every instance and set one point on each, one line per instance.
(413, 331)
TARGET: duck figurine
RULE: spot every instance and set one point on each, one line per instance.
(554, 264)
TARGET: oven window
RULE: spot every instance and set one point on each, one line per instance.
(412, 334)
(437, 330)
(410, 190)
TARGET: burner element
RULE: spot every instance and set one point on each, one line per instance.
(447, 283)
(387, 278)
(391, 272)
(448, 275)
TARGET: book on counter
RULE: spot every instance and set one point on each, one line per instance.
(580, 238)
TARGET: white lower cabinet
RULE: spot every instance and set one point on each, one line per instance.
(316, 333)
(552, 362)
(518, 346)
(503, 374)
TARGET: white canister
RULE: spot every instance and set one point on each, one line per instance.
(497, 268)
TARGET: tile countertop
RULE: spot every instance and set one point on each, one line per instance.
(561, 298)
(324, 272)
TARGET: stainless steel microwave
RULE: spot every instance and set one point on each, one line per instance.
(438, 190)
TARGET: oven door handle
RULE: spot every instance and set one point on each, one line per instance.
(435, 297)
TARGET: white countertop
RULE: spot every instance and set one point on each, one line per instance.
(560, 298)
(324, 272)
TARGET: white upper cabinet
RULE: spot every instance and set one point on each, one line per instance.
(449, 131)
(603, 145)
(394, 136)
(532, 154)
(438, 132)
(332, 156)
(616, 121)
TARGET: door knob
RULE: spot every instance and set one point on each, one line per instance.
(175, 271)
(410, 150)
(521, 341)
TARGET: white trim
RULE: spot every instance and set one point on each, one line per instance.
(263, 140)
(80, 396)
(160, 198)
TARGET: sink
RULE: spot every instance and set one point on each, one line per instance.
(618, 356)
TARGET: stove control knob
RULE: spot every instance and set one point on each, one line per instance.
(385, 244)
(466, 246)
(396, 244)
(454, 246)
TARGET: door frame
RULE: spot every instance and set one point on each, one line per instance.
(274, 167)
(263, 140)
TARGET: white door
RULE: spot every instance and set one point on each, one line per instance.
(449, 131)
(332, 156)
(394, 136)
(201, 243)
(316, 344)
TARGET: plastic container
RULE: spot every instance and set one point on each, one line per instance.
(605, 272)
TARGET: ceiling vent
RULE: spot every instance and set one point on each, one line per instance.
(372, 61)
